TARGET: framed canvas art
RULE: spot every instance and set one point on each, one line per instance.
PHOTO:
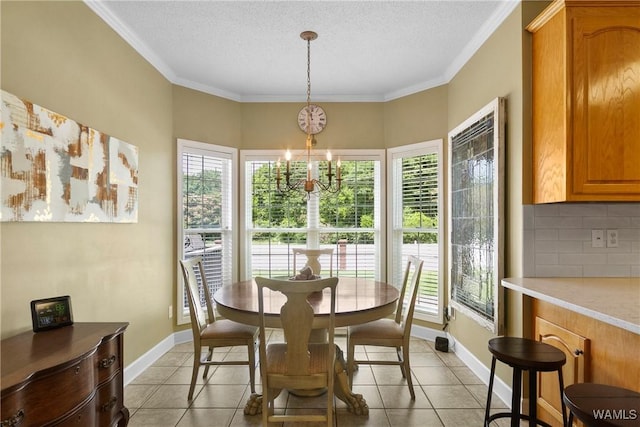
(55, 169)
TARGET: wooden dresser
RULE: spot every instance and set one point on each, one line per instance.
(71, 376)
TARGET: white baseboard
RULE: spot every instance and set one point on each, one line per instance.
(143, 362)
(500, 388)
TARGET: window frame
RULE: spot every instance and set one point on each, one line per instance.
(344, 155)
(211, 150)
(394, 259)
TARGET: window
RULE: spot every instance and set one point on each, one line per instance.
(415, 221)
(348, 221)
(476, 204)
(206, 222)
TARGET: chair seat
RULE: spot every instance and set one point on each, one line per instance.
(394, 332)
(277, 358)
(527, 354)
(381, 329)
(228, 329)
(212, 333)
(616, 406)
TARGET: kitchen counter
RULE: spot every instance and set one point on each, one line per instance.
(615, 301)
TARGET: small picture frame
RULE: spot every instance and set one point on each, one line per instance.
(51, 313)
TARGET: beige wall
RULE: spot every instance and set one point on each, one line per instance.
(498, 69)
(493, 72)
(61, 56)
(416, 118)
(201, 117)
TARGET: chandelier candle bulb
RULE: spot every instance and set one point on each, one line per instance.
(287, 157)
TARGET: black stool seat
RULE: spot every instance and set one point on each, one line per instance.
(527, 354)
(600, 405)
(524, 355)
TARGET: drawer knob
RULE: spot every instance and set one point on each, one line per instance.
(105, 363)
(109, 405)
(578, 352)
(14, 420)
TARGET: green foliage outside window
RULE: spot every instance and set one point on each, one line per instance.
(352, 207)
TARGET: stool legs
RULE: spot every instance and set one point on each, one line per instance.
(564, 408)
(515, 398)
(533, 397)
(488, 407)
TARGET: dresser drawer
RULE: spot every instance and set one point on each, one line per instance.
(108, 358)
(83, 417)
(51, 394)
(109, 400)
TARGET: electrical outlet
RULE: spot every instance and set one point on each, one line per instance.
(612, 238)
(597, 238)
(170, 311)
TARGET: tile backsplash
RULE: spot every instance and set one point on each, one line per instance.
(558, 240)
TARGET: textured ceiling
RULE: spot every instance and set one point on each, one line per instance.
(252, 51)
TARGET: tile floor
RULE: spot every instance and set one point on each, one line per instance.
(447, 392)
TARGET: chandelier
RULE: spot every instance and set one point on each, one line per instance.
(309, 184)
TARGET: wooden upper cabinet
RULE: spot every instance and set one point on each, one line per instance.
(586, 101)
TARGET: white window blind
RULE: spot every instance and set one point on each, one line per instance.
(415, 228)
(206, 221)
(348, 221)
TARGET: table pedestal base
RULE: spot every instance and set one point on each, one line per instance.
(355, 402)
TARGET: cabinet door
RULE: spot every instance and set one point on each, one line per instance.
(576, 349)
(606, 102)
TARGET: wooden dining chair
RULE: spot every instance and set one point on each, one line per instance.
(296, 363)
(211, 332)
(312, 260)
(390, 332)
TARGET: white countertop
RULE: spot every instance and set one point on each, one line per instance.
(611, 300)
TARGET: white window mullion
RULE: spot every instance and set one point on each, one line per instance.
(313, 214)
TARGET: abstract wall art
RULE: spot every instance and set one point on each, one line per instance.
(54, 169)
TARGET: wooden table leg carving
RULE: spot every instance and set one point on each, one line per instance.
(253, 405)
(355, 402)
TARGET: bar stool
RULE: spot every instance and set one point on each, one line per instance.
(524, 355)
(599, 405)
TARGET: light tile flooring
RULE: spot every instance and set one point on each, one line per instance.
(447, 392)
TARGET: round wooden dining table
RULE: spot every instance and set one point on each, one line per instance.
(358, 301)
